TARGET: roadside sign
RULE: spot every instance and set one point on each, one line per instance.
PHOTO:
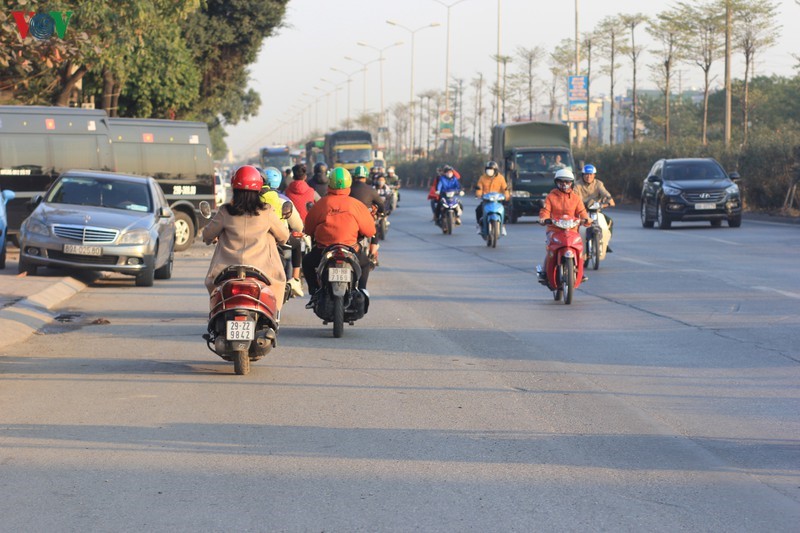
(577, 98)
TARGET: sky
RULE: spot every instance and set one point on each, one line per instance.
(317, 35)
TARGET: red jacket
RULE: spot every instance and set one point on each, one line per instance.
(300, 194)
(339, 218)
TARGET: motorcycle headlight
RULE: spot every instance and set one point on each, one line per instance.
(671, 191)
(521, 194)
(137, 236)
(732, 190)
(37, 227)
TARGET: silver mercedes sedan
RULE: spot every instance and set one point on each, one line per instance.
(100, 221)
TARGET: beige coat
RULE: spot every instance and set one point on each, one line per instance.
(248, 240)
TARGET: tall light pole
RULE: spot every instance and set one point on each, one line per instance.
(349, 82)
(364, 103)
(411, 93)
(447, 55)
(497, 99)
(335, 90)
(380, 59)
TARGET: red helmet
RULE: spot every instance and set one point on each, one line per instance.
(247, 178)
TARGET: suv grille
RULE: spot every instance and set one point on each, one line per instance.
(86, 234)
(704, 196)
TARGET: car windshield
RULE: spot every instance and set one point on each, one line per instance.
(358, 155)
(693, 170)
(543, 161)
(100, 192)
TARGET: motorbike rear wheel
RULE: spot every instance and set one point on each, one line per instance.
(568, 281)
(494, 233)
(241, 362)
(338, 316)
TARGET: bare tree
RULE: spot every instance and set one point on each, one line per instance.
(703, 30)
(477, 84)
(561, 61)
(633, 51)
(666, 30)
(755, 28)
(400, 113)
(610, 33)
(530, 58)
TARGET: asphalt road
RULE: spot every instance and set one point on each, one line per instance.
(665, 398)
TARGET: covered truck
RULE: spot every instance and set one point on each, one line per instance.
(348, 149)
(529, 154)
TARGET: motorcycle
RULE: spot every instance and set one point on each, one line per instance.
(493, 217)
(242, 323)
(339, 299)
(596, 237)
(449, 211)
(563, 269)
(382, 225)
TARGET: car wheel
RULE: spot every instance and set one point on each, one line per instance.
(165, 272)
(645, 222)
(735, 222)
(184, 231)
(662, 220)
(145, 277)
(26, 268)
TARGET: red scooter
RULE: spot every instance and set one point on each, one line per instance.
(242, 324)
(563, 269)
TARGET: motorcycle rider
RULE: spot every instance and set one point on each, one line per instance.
(385, 192)
(490, 181)
(394, 181)
(247, 232)
(299, 192)
(319, 181)
(370, 198)
(592, 189)
(561, 202)
(337, 218)
(269, 195)
(448, 182)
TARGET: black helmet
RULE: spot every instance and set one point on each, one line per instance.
(491, 164)
(447, 168)
(320, 168)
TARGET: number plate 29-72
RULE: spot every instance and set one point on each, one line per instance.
(240, 330)
(340, 274)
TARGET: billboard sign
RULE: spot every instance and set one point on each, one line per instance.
(578, 98)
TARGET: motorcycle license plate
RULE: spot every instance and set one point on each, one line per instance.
(240, 330)
(705, 206)
(339, 274)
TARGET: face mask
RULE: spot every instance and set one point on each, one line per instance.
(490, 172)
(449, 174)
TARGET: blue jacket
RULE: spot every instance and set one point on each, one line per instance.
(448, 184)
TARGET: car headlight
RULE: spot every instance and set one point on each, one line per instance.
(37, 228)
(521, 194)
(671, 191)
(137, 236)
(732, 190)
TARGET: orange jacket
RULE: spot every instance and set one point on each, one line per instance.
(496, 183)
(559, 203)
(337, 218)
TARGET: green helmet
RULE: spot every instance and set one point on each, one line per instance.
(340, 179)
(360, 171)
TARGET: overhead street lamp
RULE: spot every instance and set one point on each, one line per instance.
(364, 103)
(349, 82)
(380, 59)
(336, 88)
(411, 93)
(447, 57)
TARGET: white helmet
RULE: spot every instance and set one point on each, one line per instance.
(564, 179)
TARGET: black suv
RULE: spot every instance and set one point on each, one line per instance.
(690, 189)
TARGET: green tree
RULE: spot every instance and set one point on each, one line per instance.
(561, 61)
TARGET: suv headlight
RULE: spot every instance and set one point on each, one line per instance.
(521, 194)
(732, 190)
(137, 236)
(671, 191)
(37, 228)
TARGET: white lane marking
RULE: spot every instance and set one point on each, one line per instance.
(784, 293)
(638, 261)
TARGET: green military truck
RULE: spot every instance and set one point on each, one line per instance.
(529, 154)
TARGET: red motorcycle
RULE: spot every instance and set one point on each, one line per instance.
(563, 269)
(242, 324)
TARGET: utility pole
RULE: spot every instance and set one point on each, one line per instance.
(497, 98)
(728, 23)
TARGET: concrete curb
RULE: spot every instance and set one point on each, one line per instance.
(27, 316)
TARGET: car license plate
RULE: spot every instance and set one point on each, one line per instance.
(705, 206)
(339, 274)
(78, 249)
(240, 330)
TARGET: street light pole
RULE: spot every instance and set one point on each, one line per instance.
(411, 94)
(349, 81)
(447, 56)
(380, 59)
(364, 103)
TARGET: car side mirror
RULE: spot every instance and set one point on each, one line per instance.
(205, 209)
(35, 201)
(653, 179)
(734, 176)
(164, 212)
(8, 195)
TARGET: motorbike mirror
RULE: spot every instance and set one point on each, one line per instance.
(205, 209)
(286, 209)
(309, 205)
